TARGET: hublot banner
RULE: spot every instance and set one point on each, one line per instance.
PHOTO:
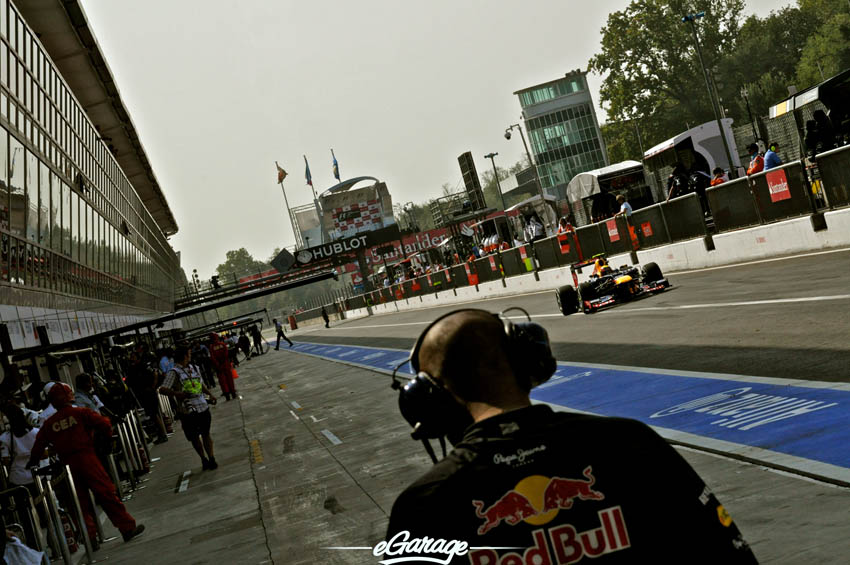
(348, 246)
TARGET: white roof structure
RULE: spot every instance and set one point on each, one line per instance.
(706, 141)
(587, 183)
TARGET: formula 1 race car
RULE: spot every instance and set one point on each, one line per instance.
(608, 286)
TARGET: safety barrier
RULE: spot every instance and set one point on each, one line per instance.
(765, 198)
(780, 193)
(19, 512)
(834, 168)
(60, 523)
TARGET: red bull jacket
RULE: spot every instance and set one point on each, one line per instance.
(561, 488)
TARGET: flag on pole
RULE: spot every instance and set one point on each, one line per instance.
(307, 174)
(336, 166)
(281, 174)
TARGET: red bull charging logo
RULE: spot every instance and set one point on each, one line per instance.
(536, 500)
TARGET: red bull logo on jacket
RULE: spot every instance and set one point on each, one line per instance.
(536, 500)
(565, 544)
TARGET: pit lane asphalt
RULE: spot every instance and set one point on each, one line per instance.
(690, 327)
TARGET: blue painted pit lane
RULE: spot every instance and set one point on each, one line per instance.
(801, 425)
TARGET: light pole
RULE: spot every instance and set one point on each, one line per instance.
(745, 96)
(492, 157)
(691, 18)
(530, 160)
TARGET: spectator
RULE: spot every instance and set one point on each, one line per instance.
(258, 339)
(245, 344)
(820, 135)
(756, 160)
(534, 229)
(771, 159)
(223, 367)
(719, 176)
(165, 361)
(201, 357)
(16, 447)
(70, 432)
(85, 396)
(144, 380)
(185, 384)
(325, 317)
(280, 334)
(625, 207)
(583, 467)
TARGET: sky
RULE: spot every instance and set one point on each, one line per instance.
(221, 89)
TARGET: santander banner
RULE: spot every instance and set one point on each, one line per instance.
(777, 185)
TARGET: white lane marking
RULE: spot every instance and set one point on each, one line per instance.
(673, 372)
(742, 303)
(295, 405)
(760, 261)
(315, 421)
(331, 437)
(184, 483)
(294, 415)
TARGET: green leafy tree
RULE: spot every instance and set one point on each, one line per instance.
(651, 66)
(239, 262)
(827, 51)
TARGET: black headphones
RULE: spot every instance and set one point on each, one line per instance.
(431, 409)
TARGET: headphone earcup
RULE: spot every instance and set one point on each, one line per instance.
(431, 410)
(531, 354)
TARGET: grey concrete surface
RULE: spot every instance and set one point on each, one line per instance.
(687, 328)
(217, 520)
(284, 491)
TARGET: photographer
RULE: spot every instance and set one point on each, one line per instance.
(518, 468)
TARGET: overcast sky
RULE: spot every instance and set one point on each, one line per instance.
(220, 89)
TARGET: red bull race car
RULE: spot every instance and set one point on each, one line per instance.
(608, 286)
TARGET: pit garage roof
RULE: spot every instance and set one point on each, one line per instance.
(63, 29)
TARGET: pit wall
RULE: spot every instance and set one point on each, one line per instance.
(773, 240)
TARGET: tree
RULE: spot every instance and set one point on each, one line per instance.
(826, 53)
(239, 262)
(651, 67)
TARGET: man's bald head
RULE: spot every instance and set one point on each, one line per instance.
(467, 352)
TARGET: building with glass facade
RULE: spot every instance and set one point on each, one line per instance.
(83, 221)
(563, 131)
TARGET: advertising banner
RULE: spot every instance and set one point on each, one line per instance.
(777, 184)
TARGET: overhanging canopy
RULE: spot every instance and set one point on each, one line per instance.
(64, 31)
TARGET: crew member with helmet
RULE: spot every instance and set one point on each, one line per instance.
(70, 432)
(526, 484)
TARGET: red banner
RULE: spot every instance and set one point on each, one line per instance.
(777, 185)
(564, 242)
(613, 232)
(646, 227)
(470, 276)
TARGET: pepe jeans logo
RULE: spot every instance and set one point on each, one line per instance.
(517, 458)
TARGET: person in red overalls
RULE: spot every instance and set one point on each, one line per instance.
(223, 367)
(70, 432)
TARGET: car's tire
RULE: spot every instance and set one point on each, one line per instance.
(567, 300)
(586, 292)
(652, 272)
